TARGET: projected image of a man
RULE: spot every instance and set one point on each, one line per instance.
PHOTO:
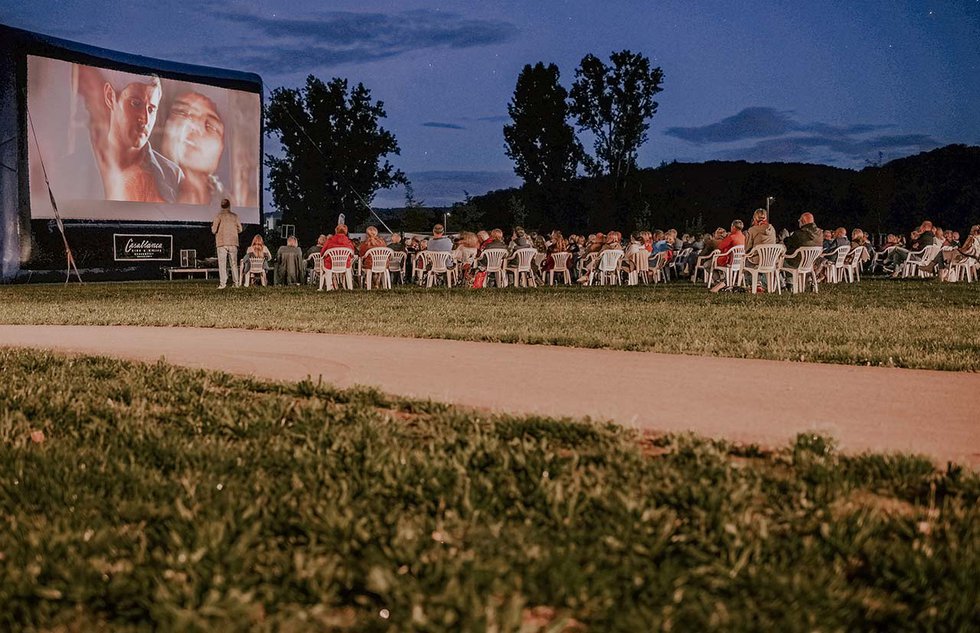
(121, 119)
(194, 136)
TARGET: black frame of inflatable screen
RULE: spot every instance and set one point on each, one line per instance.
(32, 250)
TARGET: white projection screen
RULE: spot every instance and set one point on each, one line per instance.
(136, 147)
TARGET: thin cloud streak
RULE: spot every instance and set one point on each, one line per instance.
(444, 126)
(338, 37)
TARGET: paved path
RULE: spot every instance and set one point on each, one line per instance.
(767, 402)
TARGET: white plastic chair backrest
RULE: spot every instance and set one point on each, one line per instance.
(768, 255)
(855, 255)
(609, 260)
(589, 258)
(736, 255)
(684, 254)
(561, 261)
(494, 258)
(641, 260)
(439, 259)
(808, 255)
(396, 261)
(379, 258)
(838, 256)
(465, 254)
(524, 258)
(929, 253)
(317, 260)
(340, 258)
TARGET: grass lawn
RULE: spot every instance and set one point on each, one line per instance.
(914, 323)
(148, 497)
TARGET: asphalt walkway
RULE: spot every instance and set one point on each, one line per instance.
(762, 401)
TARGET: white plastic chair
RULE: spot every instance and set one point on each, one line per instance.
(316, 268)
(560, 267)
(608, 267)
(835, 264)
(640, 267)
(916, 260)
(495, 259)
(587, 264)
(380, 255)
(733, 268)
(852, 265)
(703, 264)
(524, 257)
(341, 262)
(965, 266)
(437, 263)
(768, 257)
(465, 255)
(798, 275)
(396, 264)
(676, 265)
(255, 268)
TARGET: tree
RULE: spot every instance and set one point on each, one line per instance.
(614, 103)
(466, 216)
(333, 151)
(540, 141)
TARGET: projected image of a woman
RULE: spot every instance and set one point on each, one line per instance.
(194, 137)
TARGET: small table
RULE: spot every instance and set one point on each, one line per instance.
(190, 272)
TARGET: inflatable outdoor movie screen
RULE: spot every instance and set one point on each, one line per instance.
(122, 146)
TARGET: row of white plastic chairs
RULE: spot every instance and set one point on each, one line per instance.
(842, 264)
(607, 267)
(523, 267)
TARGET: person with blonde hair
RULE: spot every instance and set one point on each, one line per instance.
(761, 232)
(371, 240)
(257, 249)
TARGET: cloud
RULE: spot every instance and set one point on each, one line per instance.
(749, 123)
(779, 136)
(283, 44)
(446, 126)
(832, 149)
(759, 122)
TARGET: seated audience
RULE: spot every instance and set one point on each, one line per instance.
(735, 238)
(290, 263)
(339, 239)
(807, 235)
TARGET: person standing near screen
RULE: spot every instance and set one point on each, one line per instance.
(121, 120)
(194, 136)
(226, 227)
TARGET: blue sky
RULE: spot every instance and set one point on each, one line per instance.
(823, 81)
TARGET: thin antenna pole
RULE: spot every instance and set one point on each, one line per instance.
(69, 257)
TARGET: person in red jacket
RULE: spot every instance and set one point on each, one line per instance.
(735, 238)
(339, 239)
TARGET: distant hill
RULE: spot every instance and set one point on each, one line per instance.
(942, 185)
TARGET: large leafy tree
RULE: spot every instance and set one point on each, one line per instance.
(333, 154)
(615, 104)
(539, 140)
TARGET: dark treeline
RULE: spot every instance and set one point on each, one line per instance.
(942, 185)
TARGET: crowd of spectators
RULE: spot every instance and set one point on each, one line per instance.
(683, 252)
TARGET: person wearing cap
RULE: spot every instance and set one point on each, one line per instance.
(226, 227)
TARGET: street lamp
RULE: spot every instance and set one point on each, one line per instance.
(769, 201)
(445, 221)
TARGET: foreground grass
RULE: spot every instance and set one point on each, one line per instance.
(161, 498)
(920, 324)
